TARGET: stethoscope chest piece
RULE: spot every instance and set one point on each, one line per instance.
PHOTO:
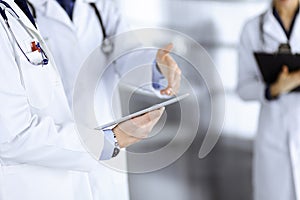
(107, 46)
(284, 48)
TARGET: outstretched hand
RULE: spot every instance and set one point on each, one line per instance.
(169, 68)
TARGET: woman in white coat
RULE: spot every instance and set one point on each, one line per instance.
(41, 156)
(276, 165)
(72, 34)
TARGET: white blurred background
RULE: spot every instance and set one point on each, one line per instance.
(226, 173)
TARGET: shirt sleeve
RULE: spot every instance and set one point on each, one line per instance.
(158, 80)
(109, 146)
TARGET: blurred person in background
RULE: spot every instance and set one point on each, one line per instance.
(276, 174)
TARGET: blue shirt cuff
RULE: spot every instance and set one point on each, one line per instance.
(109, 146)
(157, 77)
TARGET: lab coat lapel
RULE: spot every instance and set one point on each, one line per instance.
(33, 30)
(56, 12)
(84, 7)
(272, 28)
(90, 1)
(23, 17)
(295, 36)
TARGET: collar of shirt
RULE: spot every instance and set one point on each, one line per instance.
(67, 5)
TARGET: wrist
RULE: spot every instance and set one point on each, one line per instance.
(117, 135)
(157, 67)
(116, 147)
(275, 90)
(109, 147)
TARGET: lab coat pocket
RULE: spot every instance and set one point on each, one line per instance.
(38, 82)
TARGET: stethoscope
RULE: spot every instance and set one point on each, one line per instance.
(283, 48)
(107, 45)
(35, 46)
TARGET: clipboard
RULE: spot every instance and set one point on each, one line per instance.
(141, 112)
(270, 65)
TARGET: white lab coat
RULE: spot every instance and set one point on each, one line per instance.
(41, 156)
(277, 146)
(71, 42)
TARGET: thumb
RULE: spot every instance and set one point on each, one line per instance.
(156, 114)
(285, 69)
(148, 117)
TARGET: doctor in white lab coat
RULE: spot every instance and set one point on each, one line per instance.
(41, 156)
(71, 37)
(277, 145)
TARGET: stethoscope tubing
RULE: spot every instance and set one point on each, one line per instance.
(107, 45)
(9, 9)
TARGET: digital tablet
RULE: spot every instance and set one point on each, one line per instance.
(271, 65)
(141, 112)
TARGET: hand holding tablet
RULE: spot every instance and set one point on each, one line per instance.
(149, 109)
